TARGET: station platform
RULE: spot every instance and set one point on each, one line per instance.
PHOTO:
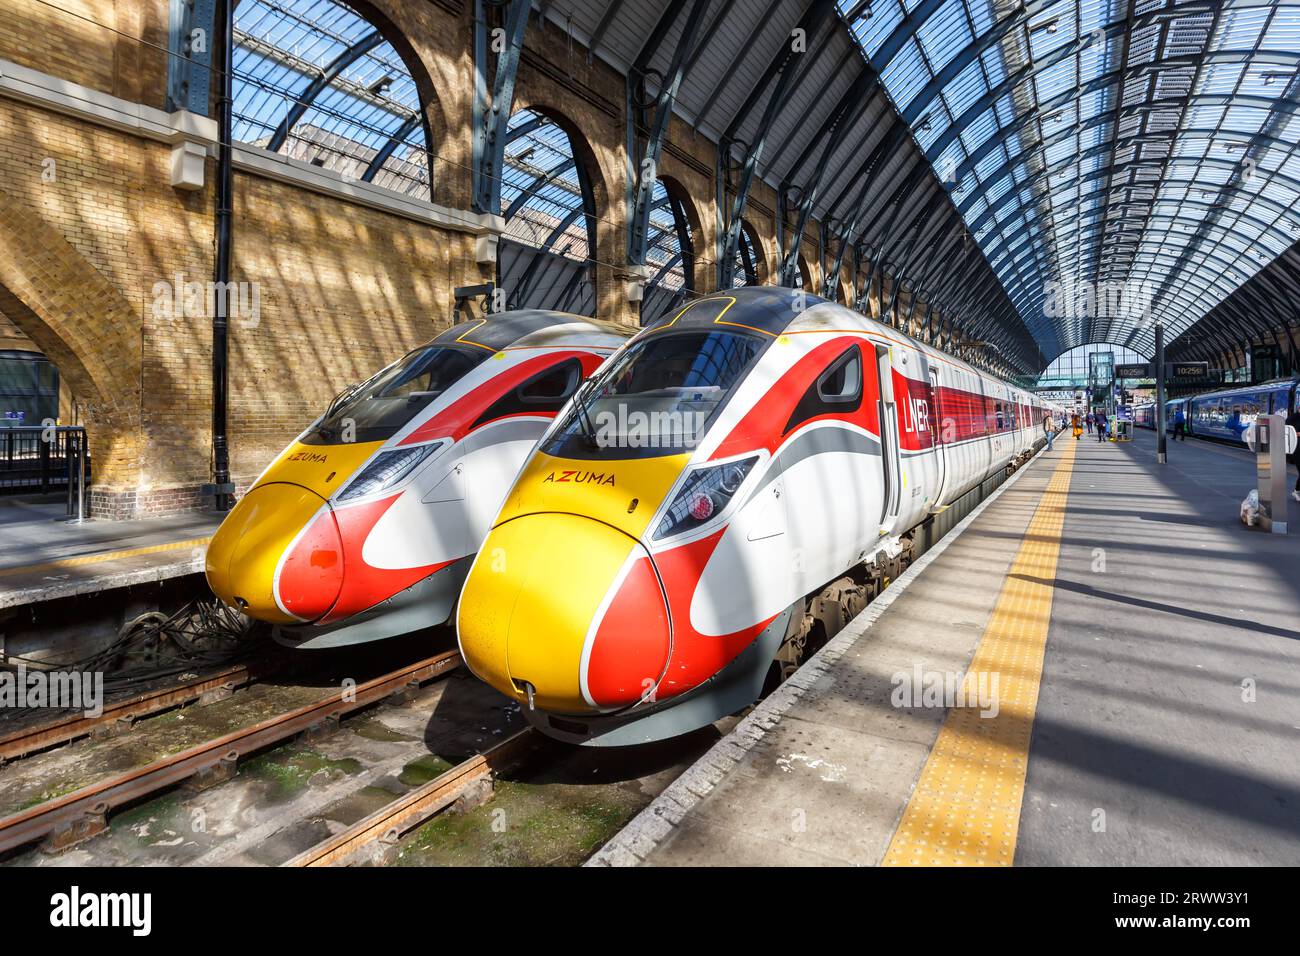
(43, 558)
(1122, 662)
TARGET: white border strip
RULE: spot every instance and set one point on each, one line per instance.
(636, 841)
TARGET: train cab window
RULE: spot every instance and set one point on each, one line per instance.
(657, 397)
(375, 409)
(836, 391)
(547, 391)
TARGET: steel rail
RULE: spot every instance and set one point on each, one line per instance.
(83, 812)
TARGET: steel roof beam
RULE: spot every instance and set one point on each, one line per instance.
(780, 74)
(646, 170)
(317, 86)
(491, 118)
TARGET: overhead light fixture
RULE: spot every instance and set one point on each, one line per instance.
(380, 86)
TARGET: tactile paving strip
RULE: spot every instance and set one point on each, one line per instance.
(103, 556)
(965, 810)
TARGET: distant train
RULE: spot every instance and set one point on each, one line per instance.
(1223, 415)
(363, 528)
(714, 502)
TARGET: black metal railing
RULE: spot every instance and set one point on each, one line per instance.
(37, 460)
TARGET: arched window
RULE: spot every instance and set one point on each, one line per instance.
(670, 254)
(316, 81)
(547, 256)
(749, 257)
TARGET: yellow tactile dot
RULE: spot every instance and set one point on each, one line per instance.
(965, 810)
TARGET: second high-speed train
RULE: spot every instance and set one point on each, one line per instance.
(738, 464)
(1225, 414)
(363, 528)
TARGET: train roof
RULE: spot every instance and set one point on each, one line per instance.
(770, 311)
(501, 330)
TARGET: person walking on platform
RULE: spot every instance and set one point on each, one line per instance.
(1076, 425)
(1101, 428)
(1048, 429)
(1180, 425)
(1294, 458)
(1087, 422)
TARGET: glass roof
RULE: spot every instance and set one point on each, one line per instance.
(315, 81)
(1118, 161)
(541, 193)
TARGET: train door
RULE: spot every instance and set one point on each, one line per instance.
(938, 444)
(889, 441)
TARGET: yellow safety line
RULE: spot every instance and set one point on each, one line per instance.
(965, 810)
(105, 556)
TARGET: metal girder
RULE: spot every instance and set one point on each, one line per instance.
(646, 170)
(1114, 145)
(897, 200)
(523, 129)
(598, 34)
(755, 32)
(189, 70)
(389, 147)
(833, 131)
(850, 52)
(327, 76)
(538, 183)
(706, 42)
(992, 211)
(490, 119)
(779, 71)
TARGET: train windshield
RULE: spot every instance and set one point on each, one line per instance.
(656, 398)
(375, 409)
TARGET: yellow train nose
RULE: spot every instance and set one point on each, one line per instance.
(540, 584)
(277, 556)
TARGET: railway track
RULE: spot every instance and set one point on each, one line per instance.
(387, 825)
(121, 715)
(73, 817)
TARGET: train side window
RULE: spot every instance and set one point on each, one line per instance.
(837, 390)
(553, 386)
(547, 391)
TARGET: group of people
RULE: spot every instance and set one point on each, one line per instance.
(1101, 425)
(1098, 423)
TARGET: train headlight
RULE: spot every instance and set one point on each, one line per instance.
(705, 492)
(387, 469)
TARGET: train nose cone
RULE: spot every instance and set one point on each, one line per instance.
(277, 556)
(568, 607)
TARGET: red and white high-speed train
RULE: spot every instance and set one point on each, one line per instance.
(363, 528)
(735, 464)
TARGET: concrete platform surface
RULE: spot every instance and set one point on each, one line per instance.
(1145, 650)
(43, 558)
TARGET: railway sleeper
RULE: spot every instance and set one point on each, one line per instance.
(90, 823)
(207, 777)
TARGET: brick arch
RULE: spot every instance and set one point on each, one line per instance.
(701, 266)
(83, 324)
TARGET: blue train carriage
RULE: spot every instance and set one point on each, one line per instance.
(1225, 415)
(1144, 415)
(1173, 409)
